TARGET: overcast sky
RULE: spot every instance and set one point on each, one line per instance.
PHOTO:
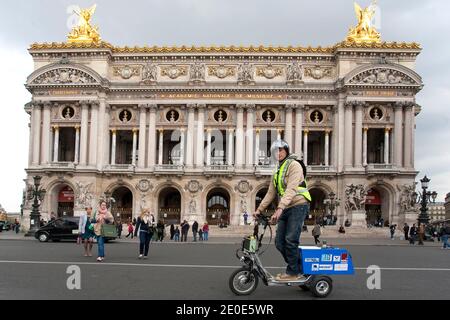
(225, 22)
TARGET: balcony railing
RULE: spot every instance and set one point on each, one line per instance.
(62, 165)
(119, 167)
(265, 170)
(315, 168)
(219, 168)
(380, 167)
(175, 168)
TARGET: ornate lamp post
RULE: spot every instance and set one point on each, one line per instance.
(332, 202)
(423, 199)
(37, 194)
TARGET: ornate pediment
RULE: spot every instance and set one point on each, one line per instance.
(64, 76)
(384, 75)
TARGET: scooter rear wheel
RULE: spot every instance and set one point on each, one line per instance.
(243, 282)
(321, 287)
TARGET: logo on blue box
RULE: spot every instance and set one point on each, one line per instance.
(327, 257)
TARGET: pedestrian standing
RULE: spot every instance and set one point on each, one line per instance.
(176, 234)
(184, 230)
(145, 226)
(445, 234)
(406, 231)
(130, 230)
(195, 230)
(200, 234)
(172, 231)
(205, 231)
(119, 228)
(160, 230)
(17, 227)
(421, 233)
(245, 218)
(392, 230)
(412, 234)
(316, 233)
(102, 216)
(86, 231)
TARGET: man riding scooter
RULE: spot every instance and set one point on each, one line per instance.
(289, 183)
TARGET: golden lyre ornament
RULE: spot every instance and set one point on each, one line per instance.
(364, 32)
(84, 32)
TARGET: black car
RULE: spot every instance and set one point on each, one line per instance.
(60, 229)
(5, 225)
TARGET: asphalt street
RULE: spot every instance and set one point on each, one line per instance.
(33, 270)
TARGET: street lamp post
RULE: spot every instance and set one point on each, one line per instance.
(332, 203)
(36, 194)
(423, 199)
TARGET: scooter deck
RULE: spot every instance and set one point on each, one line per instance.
(273, 282)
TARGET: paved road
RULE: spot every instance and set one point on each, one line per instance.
(33, 270)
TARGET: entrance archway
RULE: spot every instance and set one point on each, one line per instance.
(317, 211)
(122, 208)
(218, 207)
(377, 207)
(65, 201)
(259, 198)
(169, 206)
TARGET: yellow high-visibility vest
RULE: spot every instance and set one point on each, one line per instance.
(280, 183)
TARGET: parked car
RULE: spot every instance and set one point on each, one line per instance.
(60, 229)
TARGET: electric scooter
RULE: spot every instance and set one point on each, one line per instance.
(245, 280)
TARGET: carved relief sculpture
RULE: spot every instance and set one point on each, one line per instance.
(221, 71)
(126, 72)
(197, 73)
(355, 197)
(318, 72)
(64, 76)
(149, 74)
(245, 73)
(382, 76)
(293, 73)
(269, 72)
(173, 72)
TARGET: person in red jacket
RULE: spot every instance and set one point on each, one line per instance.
(205, 230)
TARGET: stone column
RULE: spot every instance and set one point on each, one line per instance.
(46, 134)
(93, 135)
(56, 144)
(398, 135)
(305, 147)
(365, 129)
(249, 135)
(142, 134)
(358, 135)
(339, 142)
(101, 132)
(409, 123)
(77, 144)
(84, 133)
(208, 148)
(240, 145)
(161, 146)
(190, 136)
(230, 145)
(257, 142)
(288, 126)
(36, 117)
(152, 136)
(348, 153)
(327, 148)
(298, 129)
(182, 146)
(386, 145)
(113, 146)
(200, 157)
(133, 159)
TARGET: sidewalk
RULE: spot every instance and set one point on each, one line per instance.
(306, 239)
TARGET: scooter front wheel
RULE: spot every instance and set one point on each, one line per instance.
(243, 282)
(321, 286)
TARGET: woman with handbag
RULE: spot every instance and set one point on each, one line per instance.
(145, 225)
(103, 216)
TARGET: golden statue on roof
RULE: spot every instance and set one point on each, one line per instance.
(84, 32)
(364, 32)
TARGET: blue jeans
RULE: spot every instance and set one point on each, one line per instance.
(205, 235)
(176, 237)
(445, 241)
(144, 242)
(287, 238)
(101, 247)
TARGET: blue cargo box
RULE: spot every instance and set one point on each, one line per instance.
(326, 261)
